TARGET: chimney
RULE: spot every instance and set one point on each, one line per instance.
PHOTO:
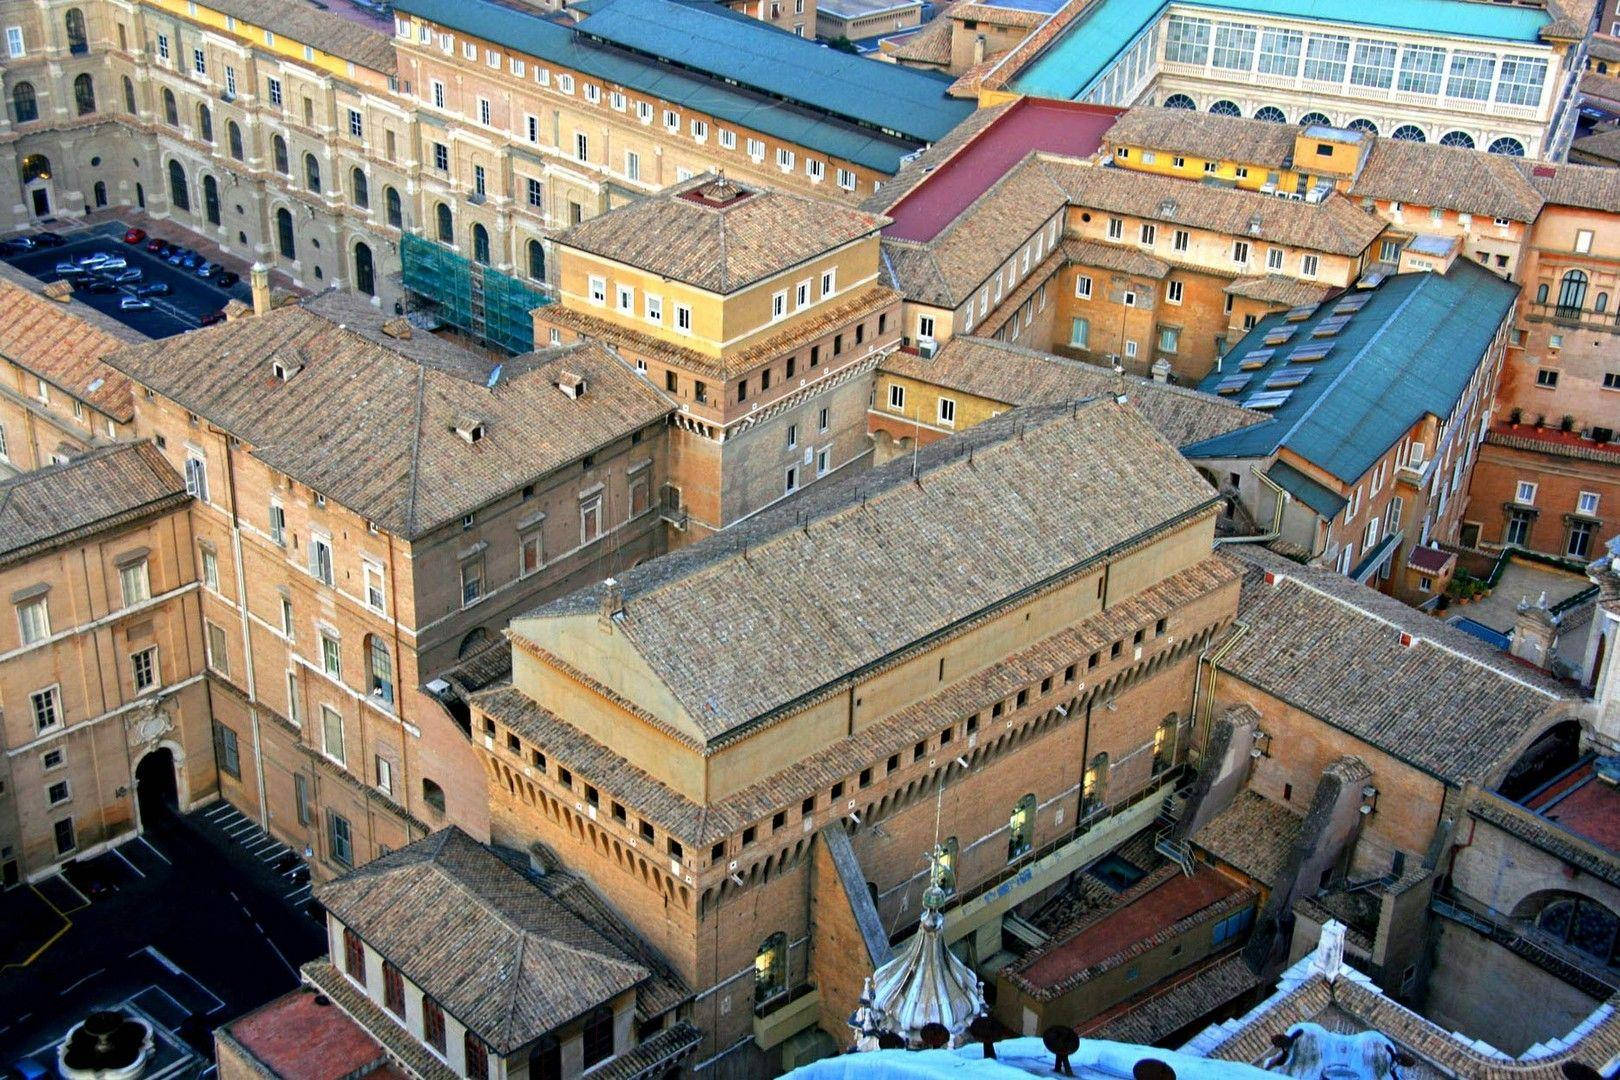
(1161, 370)
(612, 603)
(978, 49)
(259, 276)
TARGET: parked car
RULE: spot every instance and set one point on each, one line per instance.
(191, 260)
(212, 318)
(49, 239)
(174, 256)
(125, 277)
(108, 266)
(134, 236)
(92, 259)
(155, 245)
(155, 288)
(96, 285)
(69, 269)
(209, 269)
(134, 303)
(226, 278)
(21, 243)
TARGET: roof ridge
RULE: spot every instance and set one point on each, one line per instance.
(416, 451)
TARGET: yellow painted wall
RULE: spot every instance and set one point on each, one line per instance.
(255, 36)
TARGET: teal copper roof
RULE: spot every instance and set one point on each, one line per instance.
(1323, 500)
(1083, 51)
(1409, 350)
(729, 67)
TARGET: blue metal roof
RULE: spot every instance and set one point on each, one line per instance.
(1409, 352)
(1323, 500)
(723, 43)
(797, 120)
(1085, 49)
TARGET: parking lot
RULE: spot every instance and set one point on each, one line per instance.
(190, 298)
(190, 925)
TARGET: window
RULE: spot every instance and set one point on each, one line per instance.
(1021, 828)
(483, 111)
(1274, 258)
(51, 759)
(770, 968)
(340, 842)
(476, 1056)
(1518, 527)
(1470, 75)
(34, 619)
(197, 478)
(219, 656)
(1240, 251)
(897, 397)
(683, 318)
(227, 752)
(24, 102)
(320, 558)
(1169, 338)
(472, 582)
(354, 956)
(46, 706)
(393, 990)
(598, 291)
(1173, 292)
(1546, 377)
(1187, 40)
(590, 519)
(381, 670)
(144, 668)
(1326, 56)
(1374, 65)
(1079, 333)
(331, 656)
(65, 841)
(947, 411)
(1179, 240)
(14, 42)
(1082, 287)
(1520, 79)
(626, 297)
(1421, 67)
(1279, 52)
(1148, 233)
(1587, 503)
(1116, 229)
(332, 734)
(598, 1036)
(582, 146)
(1583, 245)
(210, 568)
(531, 553)
(1525, 494)
(312, 173)
(778, 305)
(829, 282)
(1579, 544)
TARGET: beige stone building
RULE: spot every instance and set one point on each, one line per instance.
(101, 660)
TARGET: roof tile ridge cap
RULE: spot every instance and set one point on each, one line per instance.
(725, 250)
(1417, 634)
(416, 451)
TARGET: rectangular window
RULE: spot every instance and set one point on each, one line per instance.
(1169, 339)
(947, 411)
(46, 706)
(1587, 503)
(1234, 47)
(1179, 241)
(1470, 75)
(534, 194)
(1520, 80)
(14, 42)
(385, 775)
(1421, 68)
(784, 159)
(357, 124)
(437, 89)
(582, 146)
(683, 318)
(1082, 287)
(778, 305)
(632, 165)
(1148, 234)
(626, 297)
(197, 478)
(227, 752)
(598, 291)
(1116, 229)
(219, 653)
(332, 734)
(472, 582)
(278, 524)
(590, 519)
(1173, 292)
(1308, 265)
(320, 558)
(34, 620)
(897, 397)
(441, 157)
(1274, 258)
(340, 841)
(331, 656)
(1525, 494)
(1279, 52)
(144, 668)
(376, 593)
(65, 840)
(1079, 333)
(1187, 40)
(1326, 56)
(1374, 65)
(1240, 251)
(1546, 377)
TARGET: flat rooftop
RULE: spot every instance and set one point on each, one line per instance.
(1060, 127)
(303, 1034)
(1583, 804)
(1174, 899)
(856, 9)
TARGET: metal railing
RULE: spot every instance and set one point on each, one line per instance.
(1578, 317)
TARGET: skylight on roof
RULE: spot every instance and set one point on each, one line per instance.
(1330, 327)
(1308, 353)
(1371, 280)
(1279, 335)
(1351, 304)
(1287, 377)
(1267, 399)
(1232, 384)
(1301, 313)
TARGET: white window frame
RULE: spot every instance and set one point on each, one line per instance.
(154, 676)
(30, 629)
(1524, 493)
(375, 586)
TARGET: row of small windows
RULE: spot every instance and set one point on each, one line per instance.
(1506, 145)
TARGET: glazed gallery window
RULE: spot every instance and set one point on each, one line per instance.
(1021, 828)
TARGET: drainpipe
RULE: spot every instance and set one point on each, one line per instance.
(1203, 711)
(1281, 500)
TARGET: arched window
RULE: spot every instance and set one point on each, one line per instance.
(770, 968)
(597, 1038)
(362, 190)
(211, 200)
(78, 40)
(1363, 124)
(476, 639)
(179, 194)
(537, 260)
(1578, 922)
(1224, 107)
(380, 668)
(1271, 115)
(1315, 119)
(396, 216)
(24, 105)
(284, 234)
(278, 151)
(1541, 293)
(1601, 304)
(1408, 133)
(1180, 101)
(233, 136)
(1572, 291)
(1021, 828)
(1457, 138)
(365, 275)
(312, 173)
(1094, 786)
(447, 231)
(84, 94)
(433, 794)
(129, 95)
(205, 124)
(171, 110)
(36, 167)
(100, 192)
(1507, 147)
(1164, 744)
(480, 244)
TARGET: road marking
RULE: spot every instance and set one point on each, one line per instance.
(301, 889)
(153, 849)
(64, 879)
(240, 829)
(218, 810)
(267, 842)
(127, 863)
(72, 986)
(176, 969)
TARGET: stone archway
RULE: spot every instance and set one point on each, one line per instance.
(38, 192)
(157, 788)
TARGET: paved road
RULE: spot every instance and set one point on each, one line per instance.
(190, 917)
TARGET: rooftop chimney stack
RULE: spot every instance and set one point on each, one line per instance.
(612, 603)
(259, 277)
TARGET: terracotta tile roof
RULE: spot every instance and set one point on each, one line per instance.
(495, 951)
(1446, 703)
(793, 335)
(373, 429)
(64, 344)
(1604, 145)
(1204, 135)
(1603, 47)
(1536, 830)
(1606, 87)
(928, 44)
(1278, 289)
(654, 1056)
(347, 39)
(940, 539)
(1107, 257)
(968, 83)
(996, 15)
(701, 825)
(99, 490)
(721, 246)
(1428, 174)
(1015, 375)
(297, 1035)
(401, 1045)
(1150, 1017)
(1333, 225)
(1254, 835)
(1592, 187)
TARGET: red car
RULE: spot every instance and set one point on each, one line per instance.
(211, 318)
(155, 245)
(134, 236)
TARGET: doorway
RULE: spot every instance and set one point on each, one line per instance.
(156, 795)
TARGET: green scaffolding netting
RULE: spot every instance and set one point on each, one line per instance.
(485, 303)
